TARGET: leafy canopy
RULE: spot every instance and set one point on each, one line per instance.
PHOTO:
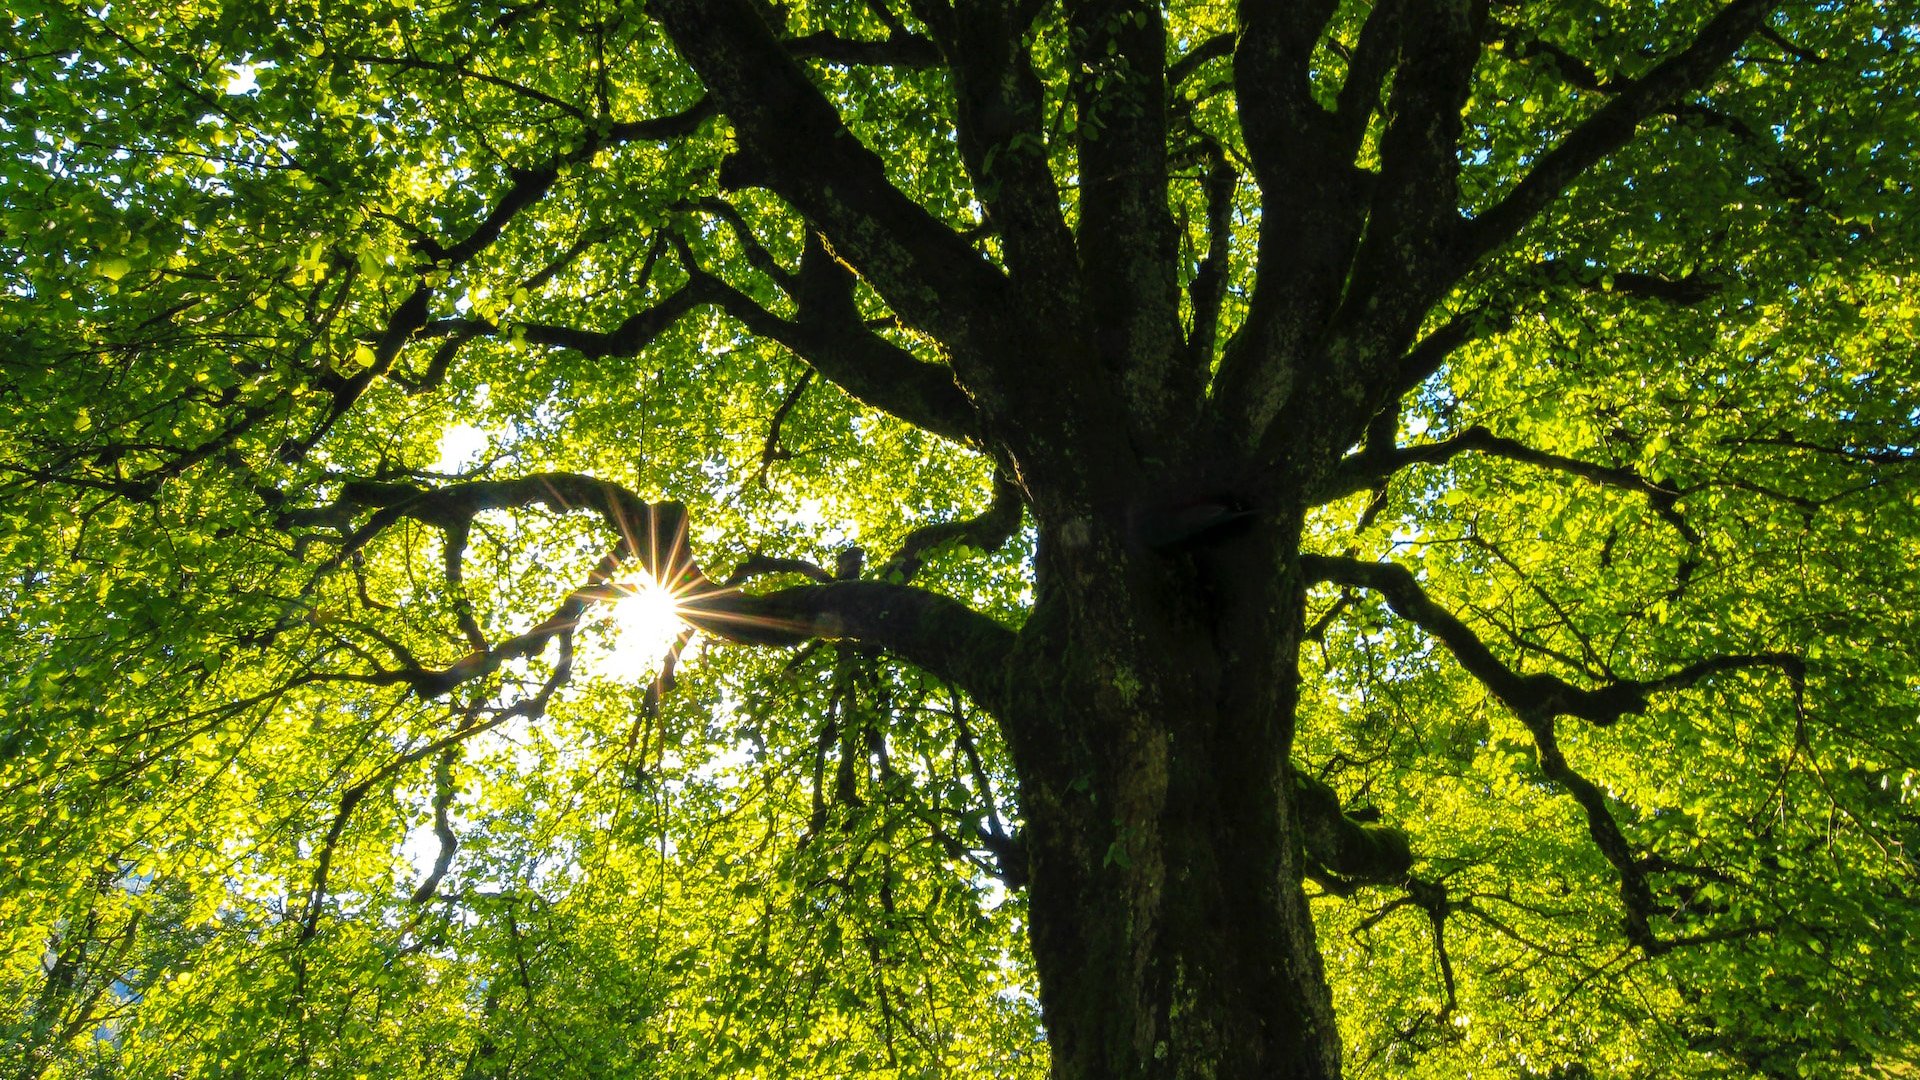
(356, 354)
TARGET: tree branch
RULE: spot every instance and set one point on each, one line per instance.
(1537, 700)
(898, 49)
(1611, 128)
(770, 449)
(1367, 68)
(1127, 243)
(1345, 853)
(927, 629)
(527, 187)
(1538, 694)
(1208, 289)
(1684, 291)
(462, 71)
(1305, 254)
(829, 335)
(1371, 467)
(1217, 47)
(987, 532)
(756, 253)
(1270, 65)
(793, 142)
(936, 633)
(1416, 198)
(632, 335)
(1000, 124)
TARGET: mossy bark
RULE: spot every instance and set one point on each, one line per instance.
(1152, 719)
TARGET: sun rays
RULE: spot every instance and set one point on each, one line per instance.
(644, 624)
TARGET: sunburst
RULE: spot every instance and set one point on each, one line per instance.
(645, 623)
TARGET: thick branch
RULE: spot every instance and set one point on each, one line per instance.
(1348, 853)
(831, 338)
(1305, 253)
(1416, 197)
(1128, 246)
(898, 49)
(793, 142)
(829, 335)
(1367, 67)
(1217, 47)
(652, 534)
(1270, 66)
(999, 116)
(930, 631)
(1420, 362)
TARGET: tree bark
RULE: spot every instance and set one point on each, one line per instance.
(1152, 722)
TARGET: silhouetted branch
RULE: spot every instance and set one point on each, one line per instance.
(1539, 693)
(987, 532)
(1538, 699)
(932, 631)
(899, 49)
(1612, 126)
(1364, 470)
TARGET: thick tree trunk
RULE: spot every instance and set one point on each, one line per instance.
(1167, 915)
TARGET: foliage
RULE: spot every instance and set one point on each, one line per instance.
(353, 355)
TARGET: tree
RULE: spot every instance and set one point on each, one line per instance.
(1386, 535)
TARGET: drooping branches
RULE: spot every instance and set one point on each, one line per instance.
(934, 632)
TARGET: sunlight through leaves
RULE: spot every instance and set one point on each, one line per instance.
(637, 630)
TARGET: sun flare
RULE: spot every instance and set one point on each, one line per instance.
(645, 621)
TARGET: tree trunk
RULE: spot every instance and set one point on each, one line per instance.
(1152, 728)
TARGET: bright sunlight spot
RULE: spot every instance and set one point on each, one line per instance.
(460, 446)
(240, 80)
(645, 623)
